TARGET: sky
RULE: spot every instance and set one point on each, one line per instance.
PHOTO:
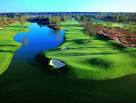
(67, 5)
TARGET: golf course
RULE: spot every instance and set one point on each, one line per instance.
(98, 69)
(68, 51)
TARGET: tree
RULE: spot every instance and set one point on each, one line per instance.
(117, 18)
(22, 19)
(89, 28)
(55, 19)
(5, 20)
(1, 22)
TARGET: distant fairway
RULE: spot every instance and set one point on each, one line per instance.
(95, 58)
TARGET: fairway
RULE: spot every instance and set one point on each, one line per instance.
(93, 58)
(7, 44)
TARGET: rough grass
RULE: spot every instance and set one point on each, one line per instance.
(131, 27)
(93, 59)
(7, 44)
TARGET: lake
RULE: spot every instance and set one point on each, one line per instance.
(37, 39)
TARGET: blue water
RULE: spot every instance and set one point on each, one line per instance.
(37, 39)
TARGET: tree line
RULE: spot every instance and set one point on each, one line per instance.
(5, 20)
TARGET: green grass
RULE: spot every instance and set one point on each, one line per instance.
(93, 59)
(25, 82)
(7, 44)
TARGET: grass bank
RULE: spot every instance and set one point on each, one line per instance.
(7, 44)
(93, 59)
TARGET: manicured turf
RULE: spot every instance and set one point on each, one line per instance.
(7, 44)
(25, 82)
(95, 58)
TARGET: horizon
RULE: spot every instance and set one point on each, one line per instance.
(63, 12)
(68, 6)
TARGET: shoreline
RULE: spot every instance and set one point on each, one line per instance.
(8, 53)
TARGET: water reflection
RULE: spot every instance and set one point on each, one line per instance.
(24, 40)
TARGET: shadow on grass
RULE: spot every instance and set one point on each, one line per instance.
(15, 26)
(12, 45)
(113, 44)
(79, 41)
(117, 46)
(101, 37)
(6, 51)
(99, 63)
(73, 25)
(86, 54)
(84, 47)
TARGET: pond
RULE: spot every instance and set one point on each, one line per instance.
(37, 39)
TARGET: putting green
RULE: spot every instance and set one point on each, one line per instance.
(93, 58)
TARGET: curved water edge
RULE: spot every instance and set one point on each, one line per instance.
(37, 40)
